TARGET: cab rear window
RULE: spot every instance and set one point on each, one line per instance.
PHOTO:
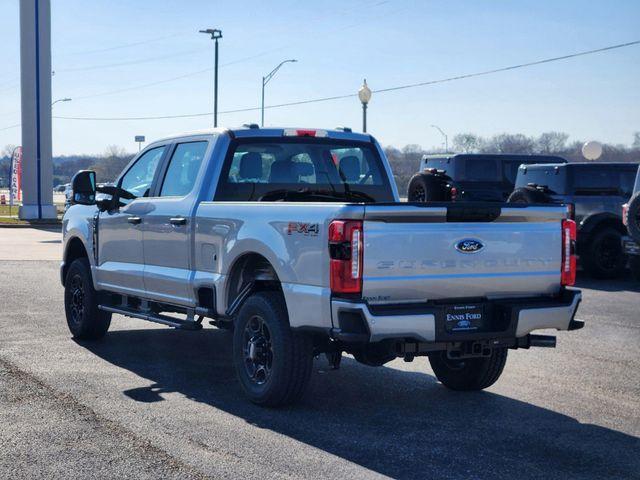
(303, 169)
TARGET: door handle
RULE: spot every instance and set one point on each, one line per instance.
(178, 221)
(134, 220)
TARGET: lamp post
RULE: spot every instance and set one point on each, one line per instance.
(364, 94)
(446, 138)
(61, 100)
(266, 79)
(216, 34)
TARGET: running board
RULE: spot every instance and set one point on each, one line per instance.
(153, 317)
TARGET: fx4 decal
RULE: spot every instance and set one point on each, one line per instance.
(307, 229)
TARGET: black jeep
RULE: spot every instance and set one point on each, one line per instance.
(597, 191)
(469, 177)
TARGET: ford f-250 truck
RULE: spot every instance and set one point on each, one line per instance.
(295, 239)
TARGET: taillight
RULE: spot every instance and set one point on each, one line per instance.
(345, 251)
(569, 264)
(454, 193)
(625, 214)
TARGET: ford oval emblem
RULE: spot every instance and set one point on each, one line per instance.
(469, 245)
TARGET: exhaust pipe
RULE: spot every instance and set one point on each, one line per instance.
(547, 341)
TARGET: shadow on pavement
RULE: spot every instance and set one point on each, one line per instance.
(397, 423)
(626, 284)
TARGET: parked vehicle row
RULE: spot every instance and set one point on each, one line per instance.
(469, 177)
(295, 239)
(595, 191)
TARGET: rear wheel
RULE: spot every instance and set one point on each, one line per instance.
(273, 363)
(425, 188)
(85, 320)
(469, 373)
(603, 256)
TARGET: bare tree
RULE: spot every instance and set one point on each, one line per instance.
(7, 151)
(109, 166)
(509, 143)
(636, 140)
(551, 142)
(466, 143)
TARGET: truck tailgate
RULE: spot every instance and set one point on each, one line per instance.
(418, 253)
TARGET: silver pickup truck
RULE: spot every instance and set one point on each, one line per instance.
(296, 240)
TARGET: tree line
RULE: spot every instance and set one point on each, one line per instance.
(107, 166)
(404, 162)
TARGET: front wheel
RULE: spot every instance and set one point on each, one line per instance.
(273, 363)
(469, 373)
(85, 320)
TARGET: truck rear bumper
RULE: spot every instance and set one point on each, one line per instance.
(507, 319)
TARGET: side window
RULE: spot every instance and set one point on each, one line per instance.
(481, 170)
(139, 177)
(183, 169)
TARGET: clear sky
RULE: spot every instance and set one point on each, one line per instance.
(337, 44)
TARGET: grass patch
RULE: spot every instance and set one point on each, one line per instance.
(4, 209)
(35, 223)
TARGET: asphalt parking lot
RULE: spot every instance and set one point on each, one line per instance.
(151, 402)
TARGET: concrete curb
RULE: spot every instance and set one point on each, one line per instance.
(51, 225)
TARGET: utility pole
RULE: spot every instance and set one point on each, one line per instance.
(216, 34)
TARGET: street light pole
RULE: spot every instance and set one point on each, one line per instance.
(216, 34)
(266, 79)
(446, 138)
(61, 100)
(364, 94)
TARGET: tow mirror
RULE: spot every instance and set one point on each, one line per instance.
(83, 187)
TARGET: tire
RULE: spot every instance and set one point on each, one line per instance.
(84, 319)
(471, 373)
(603, 256)
(426, 188)
(273, 363)
(528, 195)
(633, 217)
(634, 265)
